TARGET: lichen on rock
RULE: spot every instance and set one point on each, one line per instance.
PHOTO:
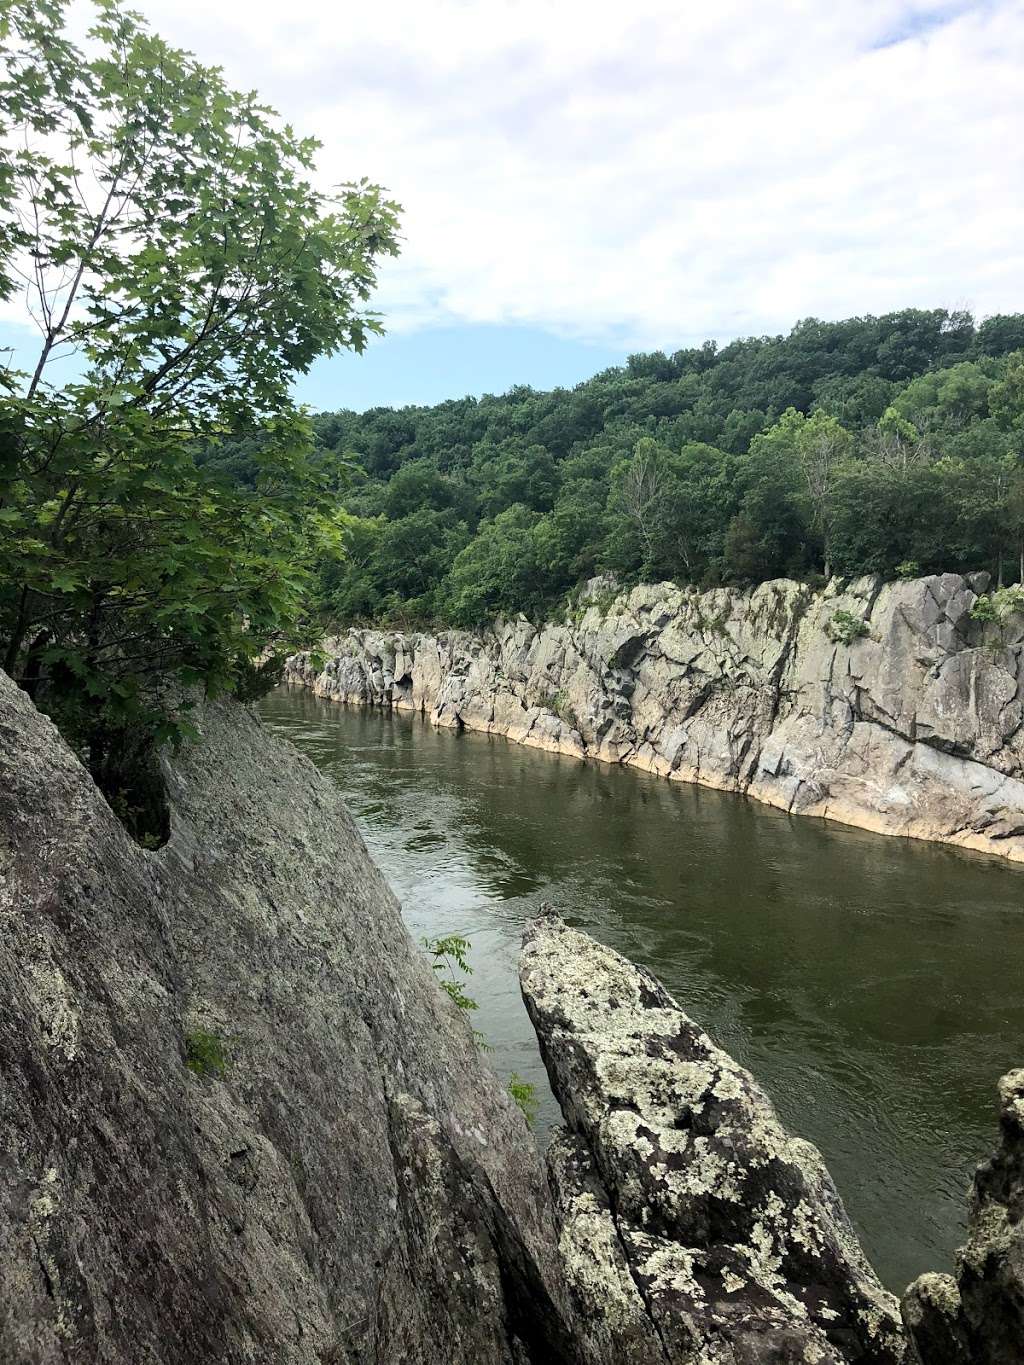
(731, 1229)
(976, 1317)
(281, 1208)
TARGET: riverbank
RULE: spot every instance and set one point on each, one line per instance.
(243, 1122)
(796, 943)
(884, 706)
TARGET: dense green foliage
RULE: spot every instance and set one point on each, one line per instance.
(164, 229)
(885, 445)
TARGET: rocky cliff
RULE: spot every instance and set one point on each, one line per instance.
(976, 1317)
(337, 1179)
(881, 705)
(240, 1124)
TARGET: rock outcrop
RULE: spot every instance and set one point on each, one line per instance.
(914, 727)
(977, 1316)
(693, 1228)
(239, 1122)
(355, 1187)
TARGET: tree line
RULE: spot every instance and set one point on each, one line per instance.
(173, 524)
(889, 445)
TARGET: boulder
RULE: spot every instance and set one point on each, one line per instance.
(976, 1316)
(677, 1184)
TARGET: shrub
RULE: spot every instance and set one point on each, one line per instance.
(449, 956)
(997, 608)
(844, 627)
(561, 706)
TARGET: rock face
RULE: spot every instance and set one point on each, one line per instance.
(977, 1317)
(913, 728)
(692, 1227)
(239, 1122)
(356, 1186)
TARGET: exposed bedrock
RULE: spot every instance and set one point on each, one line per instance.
(722, 1237)
(241, 1125)
(356, 1186)
(976, 1316)
(914, 728)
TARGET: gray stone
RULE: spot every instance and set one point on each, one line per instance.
(731, 1230)
(915, 729)
(356, 1187)
(977, 1316)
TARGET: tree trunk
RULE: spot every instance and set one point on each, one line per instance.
(34, 663)
(17, 638)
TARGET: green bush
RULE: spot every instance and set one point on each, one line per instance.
(997, 607)
(844, 627)
(525, 1096)
(451, 962)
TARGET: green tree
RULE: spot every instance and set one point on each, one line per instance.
(501, 571)
(681, 466)
(816, 446)
(167, 232)
(1006, 399)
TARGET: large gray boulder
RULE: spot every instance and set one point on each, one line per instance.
(356, 1186)
(722, 1236)
(976, 1317)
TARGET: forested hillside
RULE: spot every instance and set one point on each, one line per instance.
(892, 445)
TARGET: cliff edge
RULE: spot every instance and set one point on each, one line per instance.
(337, 1178)
(880, 705)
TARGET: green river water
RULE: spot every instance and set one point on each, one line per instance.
(874, 986)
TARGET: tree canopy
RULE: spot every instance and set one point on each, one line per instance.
(166, 230)
(875, 444)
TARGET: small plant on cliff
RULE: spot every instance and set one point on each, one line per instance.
(451, 963)
(997, 608)
(449, 956)
(205, 1054)
(525, 1096)
(1000, 605)
(908, 569)
(560, 704)
(844, 627)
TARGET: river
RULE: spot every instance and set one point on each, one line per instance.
(873, 985)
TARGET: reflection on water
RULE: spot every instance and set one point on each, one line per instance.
(873, 985)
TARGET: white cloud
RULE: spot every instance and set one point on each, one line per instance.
(663, 171)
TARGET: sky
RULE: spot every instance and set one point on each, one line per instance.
(582, 179)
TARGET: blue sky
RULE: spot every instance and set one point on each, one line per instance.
(449, 362)
(423, 366)
(583, 179)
